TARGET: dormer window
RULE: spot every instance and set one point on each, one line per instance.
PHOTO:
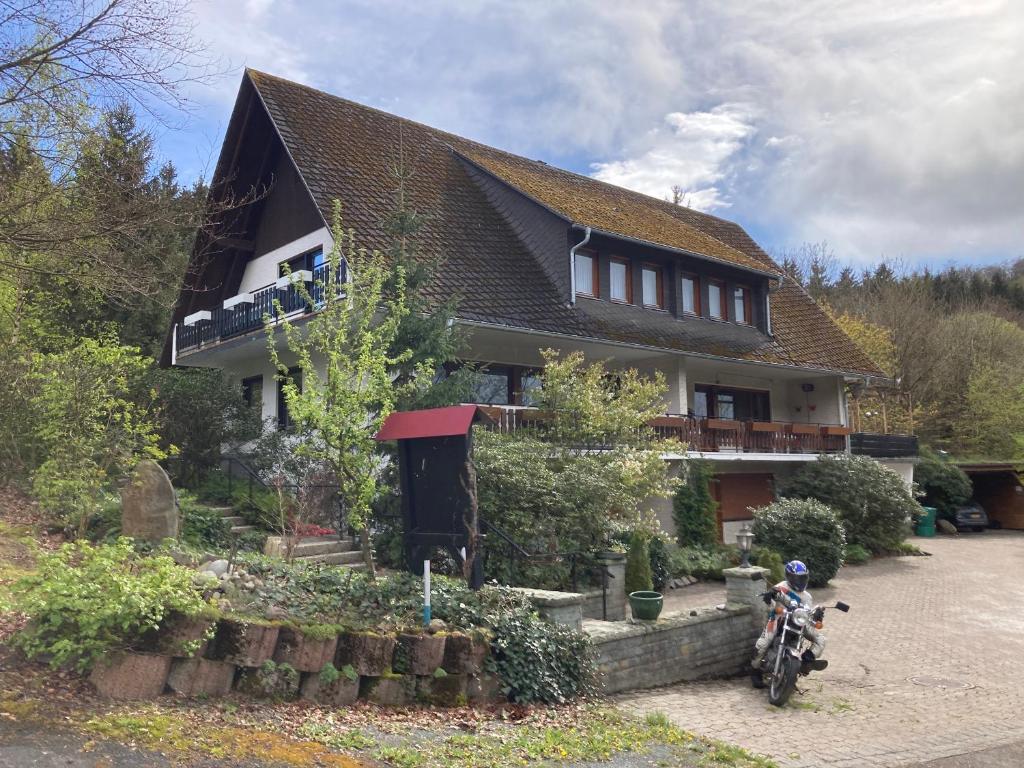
(620, 283)
(689, 292)
(653, 293)
(716, 300)
(741, 304)
(586, 274)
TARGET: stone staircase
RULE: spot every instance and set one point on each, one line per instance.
(237, 522)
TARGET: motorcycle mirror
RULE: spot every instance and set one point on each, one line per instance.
(842, 607)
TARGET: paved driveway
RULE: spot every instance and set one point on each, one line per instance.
(928, 664)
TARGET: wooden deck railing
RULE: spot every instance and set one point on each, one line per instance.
(703, 434)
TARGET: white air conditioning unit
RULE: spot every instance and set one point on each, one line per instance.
(300, 276)
(234, 301)
(197, 317)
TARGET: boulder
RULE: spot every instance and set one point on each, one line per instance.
(484, 688)
(201, 677)
(369, 654)
(133, 676)
(464, 654)
(419, 654)
(303, 652)
(148, 508)
(390, 691)
(443, 690)
(243, 643)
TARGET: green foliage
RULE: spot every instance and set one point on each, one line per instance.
(772, 560)
(803, 529)
(873, 502)
(704, 563)
(638, 565)
(945, 485)
(693, 509)
(856, 555)
(91, 427)
(329, 674)
(85, 601)
(201, 526)
(661, 566)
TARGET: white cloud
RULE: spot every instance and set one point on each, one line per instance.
(885, 128)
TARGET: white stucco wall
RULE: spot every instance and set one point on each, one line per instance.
(264, 270)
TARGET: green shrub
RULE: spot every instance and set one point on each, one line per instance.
(201, 526)
(772, 560)
(661, 568)
(704, 563)
(803, 529)
(856, 555)
(638, 565)
(85, 601)
(945, 485)
(216, 488)
(873, 502)
(693, 509)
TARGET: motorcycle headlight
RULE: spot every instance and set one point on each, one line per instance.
(800, 618)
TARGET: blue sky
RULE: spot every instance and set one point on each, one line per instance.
(890, 130)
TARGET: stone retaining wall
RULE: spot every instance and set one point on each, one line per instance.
(676, 648)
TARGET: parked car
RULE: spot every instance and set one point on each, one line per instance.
(971, 516)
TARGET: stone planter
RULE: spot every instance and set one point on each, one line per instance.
(484, 688)
(389, 691)
(128, 675)
(419, 654)
(244, 644)
(303, 652)
(368, 653)
(179, 635)
(646, 606)
(341, 693)
(443, 691)
(464, 654)
(201, 677)
(271, 681)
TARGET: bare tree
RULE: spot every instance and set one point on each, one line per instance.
(679, 196)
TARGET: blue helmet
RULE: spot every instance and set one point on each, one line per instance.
(797, 575)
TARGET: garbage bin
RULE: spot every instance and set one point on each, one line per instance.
(926, 522)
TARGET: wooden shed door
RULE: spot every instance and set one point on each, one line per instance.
(735, 493)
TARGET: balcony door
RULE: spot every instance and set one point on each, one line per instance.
(715, 402)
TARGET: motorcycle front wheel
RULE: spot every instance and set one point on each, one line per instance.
(783, 684)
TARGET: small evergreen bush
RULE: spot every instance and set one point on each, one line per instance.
(945, 485)
(803, 529)
(772, 560)
(693, 509)
(873, 502)
(638, 565)
(661, 567)
(856, 555)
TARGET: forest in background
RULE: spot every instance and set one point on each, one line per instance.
(951, 341)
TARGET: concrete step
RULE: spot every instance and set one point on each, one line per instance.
(335, 558)
(225, 511)
(323, 546)
(234, 520)
(242, 528)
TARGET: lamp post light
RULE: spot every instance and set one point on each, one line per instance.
(745, 538)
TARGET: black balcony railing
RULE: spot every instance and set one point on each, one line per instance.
(251, 316)
(883, 446)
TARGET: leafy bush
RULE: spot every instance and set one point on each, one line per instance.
(202, 526)
(945, 485)
(772, 560)
(873, 502)
(803, 529)
(704, 563)
(661, 567)
(85, 601)
(693, 509)
(856, 555)
(638, 565)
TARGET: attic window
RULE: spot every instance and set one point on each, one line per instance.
(653, 294)
(620, 282)
(716, 299)
(741, 304)
(690, 293)
(586, 274)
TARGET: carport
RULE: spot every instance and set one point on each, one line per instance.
(997, 487)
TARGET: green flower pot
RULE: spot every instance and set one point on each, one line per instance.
(646, 606)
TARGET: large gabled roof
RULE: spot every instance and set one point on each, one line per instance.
(347, 152)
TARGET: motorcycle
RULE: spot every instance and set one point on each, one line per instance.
(788, 656)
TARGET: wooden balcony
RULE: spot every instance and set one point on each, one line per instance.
(706, 435)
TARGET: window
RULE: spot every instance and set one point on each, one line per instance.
(491, 386)
(586, 273)
(252, 392)
(309, 260)
(741, 304)
(529, 383)
(651, 286)
(729, 403)
(621, 282)
(716, 299)
(284, 420)
(690, 292)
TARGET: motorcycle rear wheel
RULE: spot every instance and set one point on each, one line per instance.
(783, 685)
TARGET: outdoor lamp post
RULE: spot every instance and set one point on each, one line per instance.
(745, 538)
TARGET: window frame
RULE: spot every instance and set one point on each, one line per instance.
(695, 280)
(723, 300)
(248, 389)
(284, 420)
(305, 260)
(629, 279)
(659, 284)
(595, 274)
(748, 318)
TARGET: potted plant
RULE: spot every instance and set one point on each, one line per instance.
(644, 603)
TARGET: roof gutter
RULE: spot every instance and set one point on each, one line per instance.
(572, 262)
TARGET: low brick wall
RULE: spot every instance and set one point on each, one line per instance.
(617, 610)
(676, 648)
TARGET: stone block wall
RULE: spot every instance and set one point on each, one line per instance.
(716, 642)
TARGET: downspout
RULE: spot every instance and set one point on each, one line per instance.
(768, 304)
(572, 262)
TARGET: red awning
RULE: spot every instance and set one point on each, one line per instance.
(432, 422)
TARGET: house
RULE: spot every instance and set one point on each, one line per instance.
(540, 257)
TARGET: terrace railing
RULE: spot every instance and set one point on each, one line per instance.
(704, 434)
